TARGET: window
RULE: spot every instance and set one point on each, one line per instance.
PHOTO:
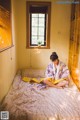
(38, 24)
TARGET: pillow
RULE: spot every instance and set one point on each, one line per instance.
(33, 73)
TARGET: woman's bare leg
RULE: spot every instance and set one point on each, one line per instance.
(63, 84)
(50, 84)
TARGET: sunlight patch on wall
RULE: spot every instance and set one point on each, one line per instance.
(37, 51)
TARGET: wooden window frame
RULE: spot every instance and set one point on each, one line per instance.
(48, 18)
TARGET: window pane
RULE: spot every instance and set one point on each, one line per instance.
(42, 15)
(34, 30)
(34, 21)
(37, 28)
(35, 15)
(34, 40)
(41, 38)
(41, 21)
(41, 31)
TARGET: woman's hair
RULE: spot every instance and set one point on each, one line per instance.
(53, 56)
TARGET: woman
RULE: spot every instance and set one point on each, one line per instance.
(57, 70)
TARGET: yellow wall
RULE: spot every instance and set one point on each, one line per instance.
(59, 36)
(8, 65)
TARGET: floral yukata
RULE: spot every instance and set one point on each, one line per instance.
(58, 72)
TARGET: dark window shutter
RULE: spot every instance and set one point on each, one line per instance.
(38, 9)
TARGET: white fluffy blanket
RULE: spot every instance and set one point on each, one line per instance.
(27, 101)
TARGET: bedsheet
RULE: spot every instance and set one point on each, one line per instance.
(26, 101)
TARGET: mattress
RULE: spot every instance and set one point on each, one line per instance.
(26, 101)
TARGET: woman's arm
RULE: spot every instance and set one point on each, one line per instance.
(49, 72)
(65, 72)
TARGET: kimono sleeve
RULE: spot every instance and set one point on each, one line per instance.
(65, 72)
(49, 72)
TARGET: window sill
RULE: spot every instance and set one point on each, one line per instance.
(38, 47)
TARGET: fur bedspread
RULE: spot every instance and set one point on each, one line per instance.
(27, 101)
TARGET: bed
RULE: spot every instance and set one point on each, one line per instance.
(32, 101)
